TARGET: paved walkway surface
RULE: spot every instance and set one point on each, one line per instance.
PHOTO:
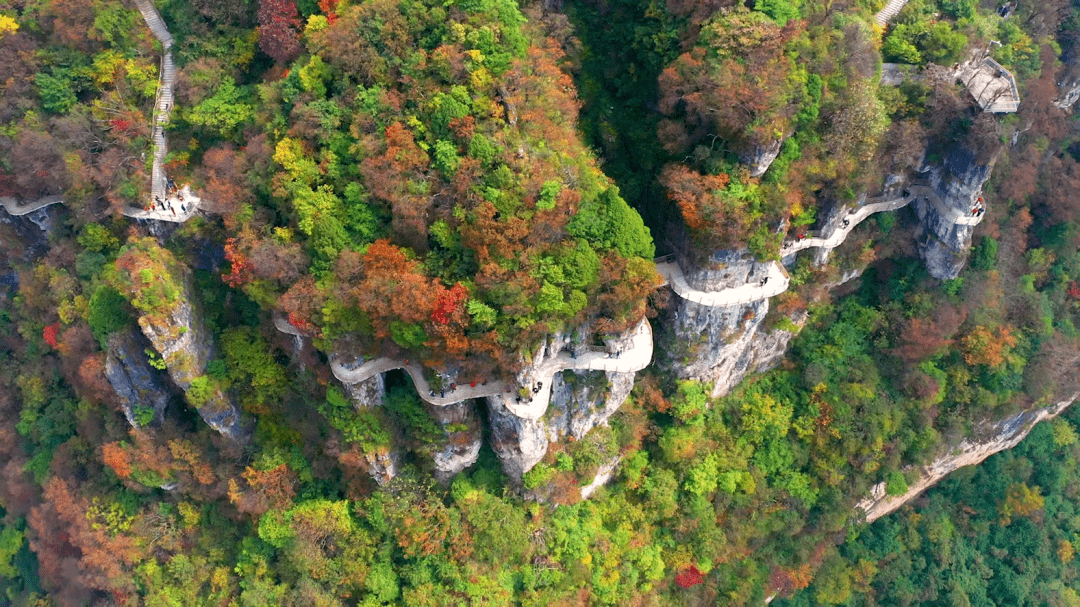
(878, 205)
(776, 284)
(165, 204)
(840, 234)
(634, 359)
(959, 217)
(890, 11)
(178, 207)
(13, 207)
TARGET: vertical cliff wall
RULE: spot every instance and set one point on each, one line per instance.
(946, 221)
(162, 290)
(579, 402)
(144, 391)
(464, 437)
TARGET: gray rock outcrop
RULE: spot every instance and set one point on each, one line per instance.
(725, 270)
(580, 401)
(759, 158)
(943, 242)
(722, 345)
(520, 443)
(464, 436)
(142, 388)
(1002, 435)
(179, 334)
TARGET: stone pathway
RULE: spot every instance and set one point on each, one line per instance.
(890, 11)
(778, 279)
(776, 284)
(13, 207)
(634, 359)
(854, 218)
(878, 205)
(164, 205)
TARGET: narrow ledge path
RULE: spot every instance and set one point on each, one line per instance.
(636, 358)
(771, 285)
(777, 280)
(13, 207)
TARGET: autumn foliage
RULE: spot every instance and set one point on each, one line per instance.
(688, 577)
(279, 24)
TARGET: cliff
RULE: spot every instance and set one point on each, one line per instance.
(999, 436)
(566, 389)
(464, 437)
(946, 220)
(580, 401)
(144, 391)
(177, 331)
(759, 158)
(722, 344)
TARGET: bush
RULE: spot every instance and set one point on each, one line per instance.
(108, 313)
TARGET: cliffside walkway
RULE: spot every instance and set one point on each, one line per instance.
(774, 283)
(891, 9)
(777, 280)
(13, 207)
(636, 358)
(854, 218)
(177, 205)
(878, 205)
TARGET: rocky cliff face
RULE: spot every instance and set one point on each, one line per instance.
(944, 243)
(721, 344)
(144, 391)
(464, 436)
(760, 158)
(1005, 434)
(579, 402)
(725, 270)
(181, 337)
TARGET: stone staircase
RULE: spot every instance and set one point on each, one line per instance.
(890, 11)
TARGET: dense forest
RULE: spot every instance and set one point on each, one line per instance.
(454, 190)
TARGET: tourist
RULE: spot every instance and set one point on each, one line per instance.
(847, 222)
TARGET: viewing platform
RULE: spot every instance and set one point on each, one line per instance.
(992, 86)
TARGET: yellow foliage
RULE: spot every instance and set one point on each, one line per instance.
(7, 24)
(1065, 551)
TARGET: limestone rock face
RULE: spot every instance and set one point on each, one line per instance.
(943, 243)
(136, 382)
(722, 344)
(579, 402)
(520, 443)
(181, 337)
(383, 467)
(759, 158)
(1005, 434)
(583, 400)
(727, 269)
(464, 438)
(368, 393)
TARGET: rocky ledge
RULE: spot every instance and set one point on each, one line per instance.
(1002, 435)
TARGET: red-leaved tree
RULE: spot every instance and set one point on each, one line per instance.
(689, 577)
(279, 33)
